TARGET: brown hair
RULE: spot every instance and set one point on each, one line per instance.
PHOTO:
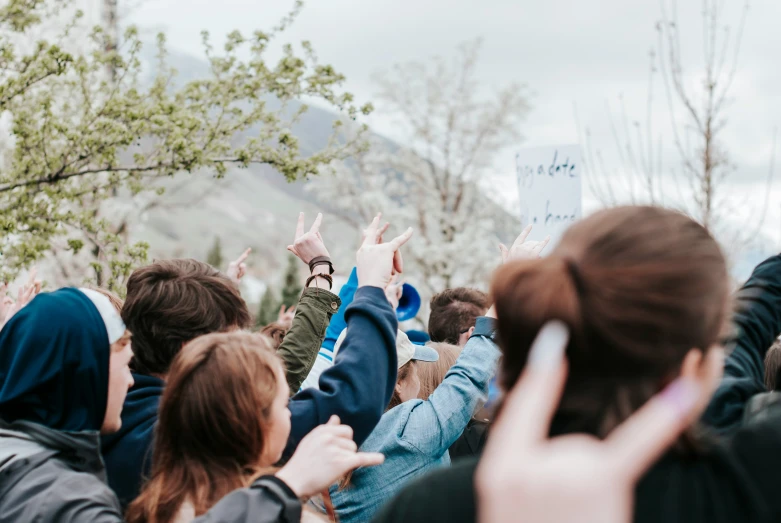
(773, 366)
(276, 333)
(454, 311)
(402, 375)
(172, 302)
(431, 374)
(639, 287)
(206, 443)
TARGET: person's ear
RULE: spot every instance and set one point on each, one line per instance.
(464, 337)
(706, 370)
(397, 388)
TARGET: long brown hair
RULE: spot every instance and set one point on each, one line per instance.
(211, 425)
(431, 374)
(639, 287)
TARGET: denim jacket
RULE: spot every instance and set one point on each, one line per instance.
(415, 436)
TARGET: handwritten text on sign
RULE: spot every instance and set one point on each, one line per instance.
(549, 189)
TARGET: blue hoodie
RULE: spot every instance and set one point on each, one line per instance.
(54, 363)
(127, 453)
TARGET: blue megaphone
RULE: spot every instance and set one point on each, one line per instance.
(409, 303)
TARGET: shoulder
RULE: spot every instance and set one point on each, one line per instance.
(443, 495)
(53, 492)
(83, 495)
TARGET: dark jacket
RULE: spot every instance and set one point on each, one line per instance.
(726, 484)
(471, 442)
(758, 323)
(727, 481)
(128, 453)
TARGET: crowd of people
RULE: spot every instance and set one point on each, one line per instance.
(616, 378)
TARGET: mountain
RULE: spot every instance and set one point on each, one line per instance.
(254, 207)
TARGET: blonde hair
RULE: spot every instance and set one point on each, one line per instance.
(431, 374)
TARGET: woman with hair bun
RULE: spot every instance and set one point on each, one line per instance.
(644, 293)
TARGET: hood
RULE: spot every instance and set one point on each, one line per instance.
(54, 363)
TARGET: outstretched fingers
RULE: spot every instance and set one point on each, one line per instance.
(636, 444)
(299, 226)
(522, 237)
(371, 233)
(316, 226)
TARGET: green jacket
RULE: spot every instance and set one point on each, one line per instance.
(302, 342)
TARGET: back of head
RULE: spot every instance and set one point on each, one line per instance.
(431, 374)
(453, 312)
(639, 287)
(172, 302)
(54, 363)
(212, 426)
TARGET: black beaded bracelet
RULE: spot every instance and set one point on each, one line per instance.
(321, 260)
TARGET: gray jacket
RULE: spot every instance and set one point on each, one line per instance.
(53, 476)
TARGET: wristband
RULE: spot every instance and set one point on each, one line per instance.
(326, 277)
(321, 260)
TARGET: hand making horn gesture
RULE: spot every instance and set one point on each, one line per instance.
(238, 268)
(377, 262)
(308, 245)
(522, 249)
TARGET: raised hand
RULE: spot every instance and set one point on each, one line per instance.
(308, 245)
(285, 317)
(525, 476)
(237, 268)
(323, 457)
(377, 262)
(26, 293)
(522, 249)
(394, 291)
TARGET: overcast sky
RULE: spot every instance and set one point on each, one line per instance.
(571, 53)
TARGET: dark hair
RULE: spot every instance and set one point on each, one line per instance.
(639, 287)
(172, 302)
(212, 426)
(276, 333)
(454, 311)
(773, 366)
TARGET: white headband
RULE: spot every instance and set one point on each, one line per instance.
(115, 327)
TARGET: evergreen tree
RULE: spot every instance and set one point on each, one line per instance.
(292, 289)
(268, 309)
(214, 257)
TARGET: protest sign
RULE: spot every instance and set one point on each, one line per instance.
(549, 189)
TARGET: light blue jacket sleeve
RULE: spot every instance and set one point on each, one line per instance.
(433, 425)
